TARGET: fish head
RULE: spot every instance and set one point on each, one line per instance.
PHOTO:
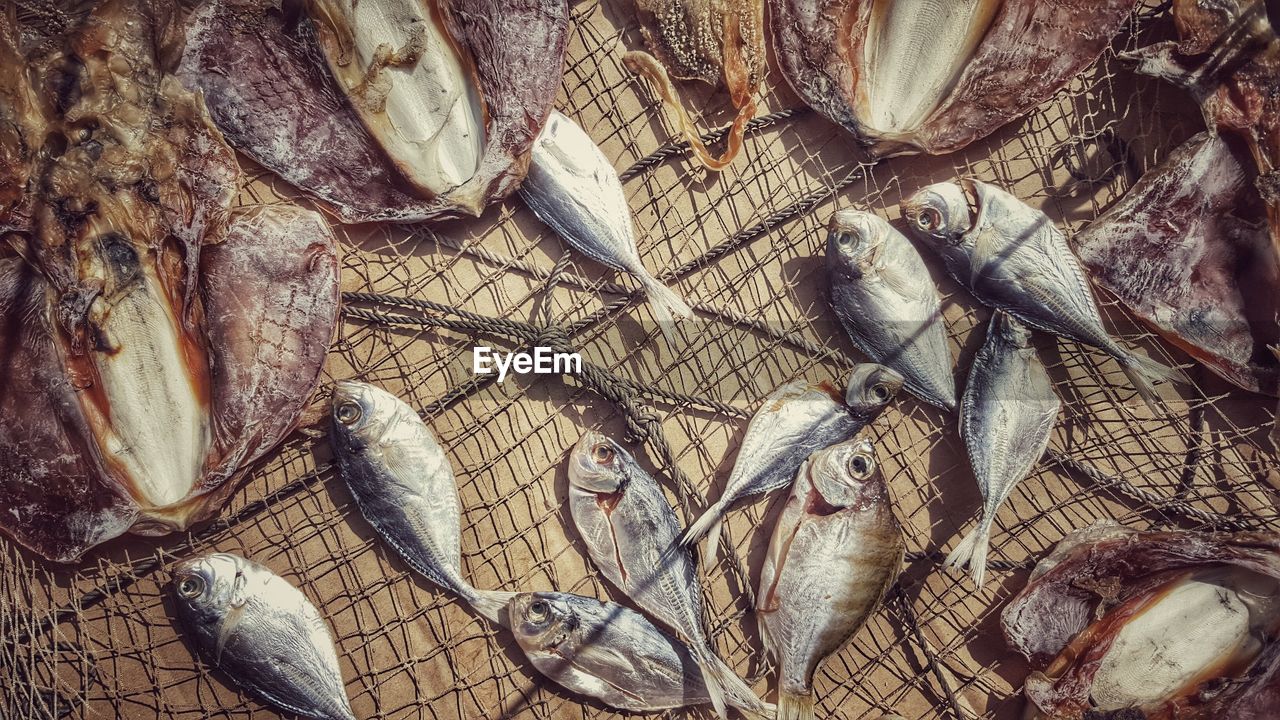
(844, 476)
(362, 413)
(871, 388)
(1010, 330)
(599, 464)
(541, 621)
(206, 586)
(855, 241)
(940, 214)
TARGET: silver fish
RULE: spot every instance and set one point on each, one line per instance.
(794, 421)
(1006, 417)
(834, 553)
(573, 188)
(262, 632)
(614, 654)
(883, 295)
(630, 532)
(1012, 257)
(403, 484)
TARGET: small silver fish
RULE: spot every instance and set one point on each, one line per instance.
(572, 187)
(614, 654)
(1013, 258)
(886, 300)
(630, 532)
(794, 421)
(403, 484)
(835, 551)
(262, 632)
(1006, 417)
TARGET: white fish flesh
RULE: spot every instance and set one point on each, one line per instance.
(572, 187)
(886, 301)
(794, 421)
(1006, 417)
(835, 551)
(262, 632)
(630, 532)
(1013, 258)
(404, 486)
(613, 654)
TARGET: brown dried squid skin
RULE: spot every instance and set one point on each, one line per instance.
(127, 257)
(715, 41)
(260, 66)
(1078, 599)
(1028, 51)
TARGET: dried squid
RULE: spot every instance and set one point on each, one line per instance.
(382, 109)
(1156, 625)
(155, 340)
(935, 75)
(707, 40)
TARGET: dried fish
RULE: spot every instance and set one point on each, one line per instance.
(794, 421)
(382, 109)
(614, 654)
(155, 340)
(403, 484)
(1228, 57)
(1156, 625)
(707, 40)
(1012, 257)
(934, 76)
(835, 551)
(1006, 417)
(572, 187)
(883, 295)
(1187, 250)
(630, 532)
(262, 632)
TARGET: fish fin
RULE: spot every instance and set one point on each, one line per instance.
(1144, 373)
(668, 307)
(739, 695)
(708, 522)
(712, 677)
(492, 605)
(766, 638)
(795, 707)
(972, 551)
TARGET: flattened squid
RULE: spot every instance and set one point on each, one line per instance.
(714, 41)
(154, 340)
(1188, 251)
(396, 110)
(936, 75)
(1175, 625)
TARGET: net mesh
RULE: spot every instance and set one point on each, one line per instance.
(744, 246)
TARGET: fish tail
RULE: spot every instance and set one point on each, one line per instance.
(667, 305)
(739, 695)
(713, 672)
(795, 707)
(707, 525)
(492, 604)
(1144, 373)
(972, 551)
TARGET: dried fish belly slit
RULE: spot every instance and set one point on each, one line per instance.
(157, 340)
(934, 76)
(1165, 624)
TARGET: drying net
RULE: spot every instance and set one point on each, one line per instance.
(97, 640)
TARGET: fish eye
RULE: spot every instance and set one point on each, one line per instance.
(539, 610)
(929, 219)
(861, 465)
(602, 453)
(348, 412)
(846, 239)
(880, 392)
(191, 586)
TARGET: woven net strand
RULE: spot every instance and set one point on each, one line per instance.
(97, 640)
